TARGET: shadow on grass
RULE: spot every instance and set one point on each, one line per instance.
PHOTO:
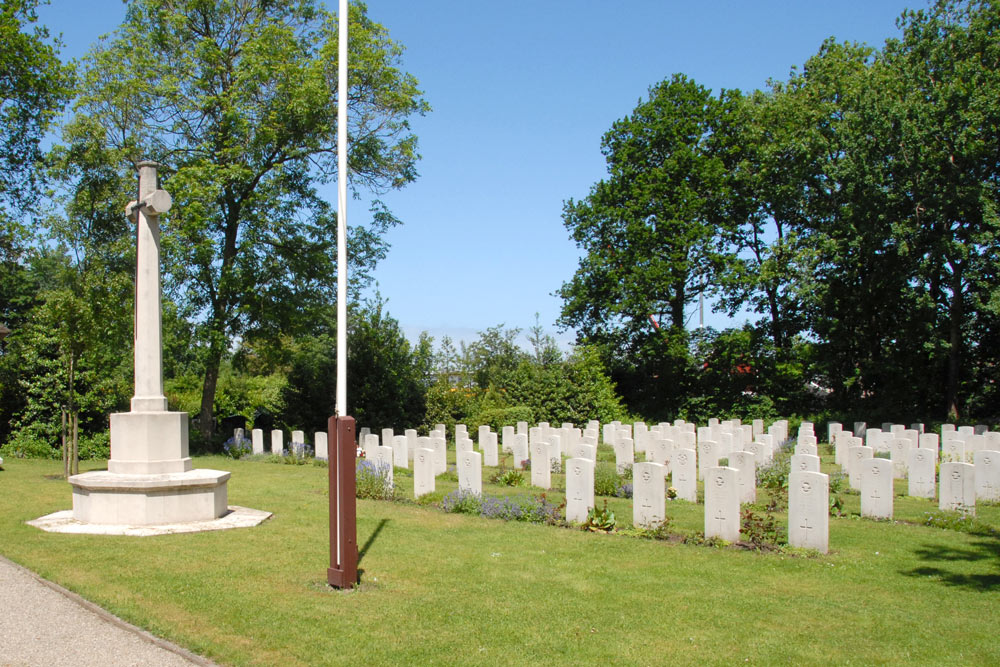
(371, 539)
(985, 551)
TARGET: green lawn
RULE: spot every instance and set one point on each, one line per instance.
(453, 589)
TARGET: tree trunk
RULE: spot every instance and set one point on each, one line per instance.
(72, 420)
(956, 315)
(206, 416)
(75, 459)
(65, 452)
(777, 330)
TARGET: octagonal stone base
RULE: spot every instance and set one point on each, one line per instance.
(105, 497)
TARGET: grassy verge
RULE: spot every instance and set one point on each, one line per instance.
(445, 588)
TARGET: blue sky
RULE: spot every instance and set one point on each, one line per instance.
(522, 92)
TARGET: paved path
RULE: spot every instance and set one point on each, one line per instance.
(42, 623)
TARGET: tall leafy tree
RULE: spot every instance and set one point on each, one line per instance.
(238, 98)
(942, 149)
(650, 234)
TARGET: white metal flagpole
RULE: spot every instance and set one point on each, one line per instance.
(342, 213)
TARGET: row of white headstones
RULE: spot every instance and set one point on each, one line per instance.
(969, 466)
(688, 453)
(682, 450)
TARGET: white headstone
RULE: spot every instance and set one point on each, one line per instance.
(507, 442)
(804, 463)
(759, 453)
(660, 450)
(832, 429)
(840, 440)
(484, 433)
(463, 444)
(490, 454)
(579, 489)
(953, 450)
(411, 441)
(899, 453)
(708, 456)
(423, 471)
(382, 457)
(876, 488)
(806, 449)
(298, 438)
(583, 451)
(368, 443)
(722, 503)
(322, 445)
(541, 467)
(648, 504)
(440, 447)
(746, 478)
(558, 441)
(520, 450)
(921, 471)
(808, 510)
(624, 455)
(277, 442)
(522, 428)
(856, 456)
(387, 439)
(684, 474)
(257, 436)
(400, 451)
(987, 464)
(958, 487)
(470, 472)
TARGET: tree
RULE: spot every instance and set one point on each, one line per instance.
(651, 236)
(238, 98)
(543, 346)
(941, 153)
(385, 375)
(33, 88)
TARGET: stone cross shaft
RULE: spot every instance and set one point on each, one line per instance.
(145, 214)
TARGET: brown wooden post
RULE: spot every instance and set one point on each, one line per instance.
(343, 570)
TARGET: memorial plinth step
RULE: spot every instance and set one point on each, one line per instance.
(106, 497)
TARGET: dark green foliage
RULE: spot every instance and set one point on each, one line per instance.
(497, 418)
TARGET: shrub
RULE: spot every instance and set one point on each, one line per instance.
(497, 418)
(774, 477)
(96, 446)
(600, 520)
(26, 444)
(536, 509)
(657, 531)
(759, 528)
(462, 501)
(509, 477)
(373, 481)
(237, 448)
(606, 480)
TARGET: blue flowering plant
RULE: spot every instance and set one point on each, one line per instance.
(237, 448)
(372, 480)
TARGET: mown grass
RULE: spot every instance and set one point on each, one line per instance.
(453, 589)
